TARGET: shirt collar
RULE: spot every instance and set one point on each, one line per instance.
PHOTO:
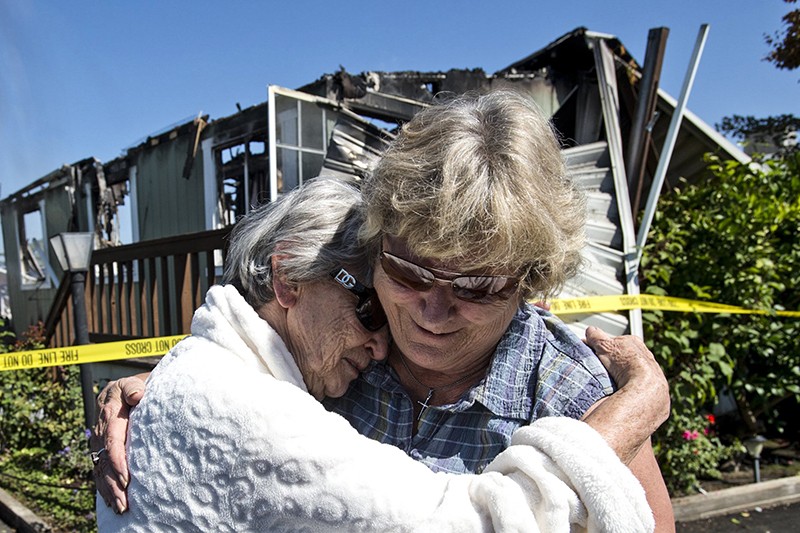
(508, 389)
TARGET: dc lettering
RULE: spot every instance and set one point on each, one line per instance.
(345, 279)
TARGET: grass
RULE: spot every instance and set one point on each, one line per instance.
(66, 503)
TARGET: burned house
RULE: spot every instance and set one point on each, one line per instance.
(184, 187)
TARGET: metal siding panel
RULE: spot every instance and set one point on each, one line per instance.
(169, 204)
(588, 166)
(611, 323)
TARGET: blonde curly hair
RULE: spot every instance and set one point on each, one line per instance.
(480, 181)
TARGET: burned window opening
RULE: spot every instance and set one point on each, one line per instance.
(355, 147)
(106, 201)
(243, 178)
(33, 250)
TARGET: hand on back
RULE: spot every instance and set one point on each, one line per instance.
(108, 439)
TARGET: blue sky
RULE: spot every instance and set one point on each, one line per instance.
(81, 78)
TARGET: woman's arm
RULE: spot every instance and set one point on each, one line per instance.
(627, 418)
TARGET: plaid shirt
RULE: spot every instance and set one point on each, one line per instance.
(540, 368)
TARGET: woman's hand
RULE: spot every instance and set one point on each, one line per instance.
(628, 361)
(108, 439)
(628, 417)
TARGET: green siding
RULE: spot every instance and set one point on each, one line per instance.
(169, 204)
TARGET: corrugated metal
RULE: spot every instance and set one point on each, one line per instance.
(589, 165)
(609, 96)
(603, 257)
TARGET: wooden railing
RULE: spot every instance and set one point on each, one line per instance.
(146, 289)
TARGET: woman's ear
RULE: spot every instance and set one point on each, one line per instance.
(285, 291)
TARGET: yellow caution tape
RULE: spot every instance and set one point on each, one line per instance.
(111, 351)
(88, 353)
(623, 302)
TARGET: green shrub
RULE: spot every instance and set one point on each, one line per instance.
(42, 481)
(690, 451)
(730, 239)
(44, 451)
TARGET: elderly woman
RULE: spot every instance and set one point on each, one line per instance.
(469, 214)
(228, 437)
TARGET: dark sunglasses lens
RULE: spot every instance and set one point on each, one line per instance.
(405, 273)
(484, 288)
(471, 295)
(370, 312)
(478, 289)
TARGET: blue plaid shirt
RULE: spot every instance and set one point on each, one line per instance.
(540, 368)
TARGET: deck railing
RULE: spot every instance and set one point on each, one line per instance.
(146, 289)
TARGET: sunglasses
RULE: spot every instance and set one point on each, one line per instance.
(368, 309)
(475, 289)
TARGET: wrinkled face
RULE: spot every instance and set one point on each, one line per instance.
(434, 328)
(329, 343)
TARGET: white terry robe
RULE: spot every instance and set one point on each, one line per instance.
(227, 438)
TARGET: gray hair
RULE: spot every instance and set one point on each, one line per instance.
(315, 225)
(480, 181)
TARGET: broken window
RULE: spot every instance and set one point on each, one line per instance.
(243, 177)
(355, 146)
(32, 246)
(301, 125)
(105, 199)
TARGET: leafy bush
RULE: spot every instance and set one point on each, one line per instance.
(39, 407)
(44, 452)
(37, 478)
(690, 451)
(729, 240)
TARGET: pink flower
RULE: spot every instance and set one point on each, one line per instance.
(690, 435)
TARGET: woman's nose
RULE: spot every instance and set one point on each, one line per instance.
(378, 344)
(438, 302)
